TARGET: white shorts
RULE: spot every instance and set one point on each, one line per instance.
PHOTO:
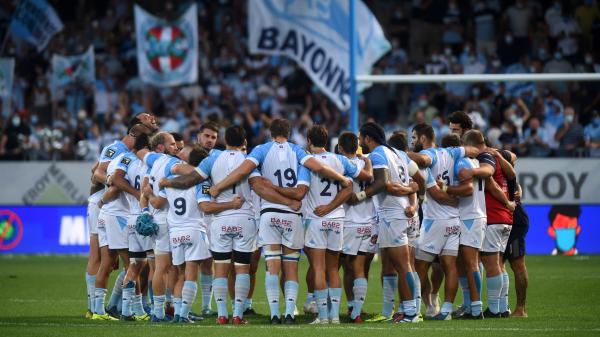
(101, 231)
(116, 231)
(136, 242)
(92, 217)
(281, 229)
(472, 232)
(496, 238)
(188, 245)
(413, 232)
(231, 233)
(439, 237)
(162, 244)
(392, 233)
(324, 234)
(358, 238)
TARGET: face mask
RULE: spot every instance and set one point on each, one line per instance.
(557, 55)
(16, 120)
(496, 63)
(508, 39)
(34, 119)
(467, 49)
(475, 92)
(588, 59)
(422, 103)
(293, 116)
(448, 51)
(434, 58)
(542, 54)
(237, 121)
(514, 118)
(505, 129)
(569, 118)
(532, 69)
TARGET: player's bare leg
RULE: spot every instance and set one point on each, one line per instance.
(162, 266)
(346, 263)
(206, 280)
(437, 277)
(468, 269)
(422, 268)
(400, 258)
(448, 263)
(253, 269)
(389, 281)
(521, 282)
(93, 264)
(317, 260)
(310, 306)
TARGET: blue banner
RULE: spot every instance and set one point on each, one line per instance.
(63, 229)
(35, 21)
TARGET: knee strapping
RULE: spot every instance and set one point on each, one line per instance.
(272, 254)
(291, 257)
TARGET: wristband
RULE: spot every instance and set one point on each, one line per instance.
(361, 195)
(444, 187)
(146, 210)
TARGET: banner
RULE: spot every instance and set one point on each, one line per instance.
(167, 52)
(560, 230)
(316, 35)
(7, 70)
(35, 21)
(73, 69)
(559, 180)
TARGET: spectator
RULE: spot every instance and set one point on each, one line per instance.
(592, 135)
(533, 140)
(569, 135)
(485, 28)
(13, 137)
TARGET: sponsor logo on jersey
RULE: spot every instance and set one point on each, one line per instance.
(109, 153)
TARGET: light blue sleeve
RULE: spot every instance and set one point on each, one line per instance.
(456, 152)
(350, 170)
(172, 162)
(429, 182)
(461, 164)
(259, 153)
(150, 158)
(432, 154)
(303, 176)
(301, 155)
(378, 158)
(202, 193)
(112, 151)
(125, 161)
(206, 165)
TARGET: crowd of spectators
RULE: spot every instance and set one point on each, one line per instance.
(235, 87)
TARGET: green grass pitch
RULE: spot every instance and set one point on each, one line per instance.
(45, 296)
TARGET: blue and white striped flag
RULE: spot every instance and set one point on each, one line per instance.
(316, 34)
(35, 21)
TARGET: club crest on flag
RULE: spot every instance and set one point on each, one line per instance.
(72, 69)
(167, 51)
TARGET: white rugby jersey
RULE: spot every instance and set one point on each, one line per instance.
(364, 211)
(280, 163)
(119, 206)
(159, 166)
(134, 174)
(205, 196)
(473, 206)
(217, 166)
(397, 162)
(442, 167)
(108, 153)
(184, 212)
(323, 190)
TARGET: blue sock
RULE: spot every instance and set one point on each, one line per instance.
(335, 295)
(248, 304)
(321, 298)
(177, 306)
(99, 298)
(150, 291)
(390, 285)
(360, 293)
(494, 288)
(117, 292)
(206, 281)
(290, 293)
(504, 293)
(477, 277)
(242, 287)
(409, 307)
(464, 285)
(417, 292)
(272, 287)
(309, 298)
(411, 283)
(446, 308)
(476, 308)
(188, 295)
(136, 306)
(169, 295)
(220, 291)
(158, 308)
(90, 283)
(128, 298)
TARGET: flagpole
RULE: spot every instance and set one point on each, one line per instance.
(353, 47)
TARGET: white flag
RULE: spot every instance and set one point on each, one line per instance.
(316, 35)
(7, 69)
(71, 69)
(167, 51)
(35, 21)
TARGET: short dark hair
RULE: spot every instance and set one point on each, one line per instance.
(133, 121)
(473, 138)
(177, 136)
(461, 118)
(235, 135)
(280, 128)
(451, 140)
(374, 131)
(424, 129)
(197, 155)
(317, 134)
(348, 142)
(141, 142)
(211, 126)
(398, 140)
